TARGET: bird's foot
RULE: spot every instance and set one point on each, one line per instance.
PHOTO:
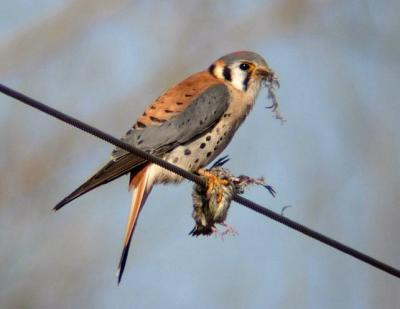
(243, 181)
(229, 230)
(212, 183)
(217, 233)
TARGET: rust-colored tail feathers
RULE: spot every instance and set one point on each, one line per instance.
(142, 185)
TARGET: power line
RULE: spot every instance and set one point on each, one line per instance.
(197, 179)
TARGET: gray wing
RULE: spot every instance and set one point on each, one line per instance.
(196, 119)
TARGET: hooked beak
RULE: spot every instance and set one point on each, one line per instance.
(268, 76)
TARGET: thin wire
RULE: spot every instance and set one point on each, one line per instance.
(197, 179)
(318, 236)
(100, 134)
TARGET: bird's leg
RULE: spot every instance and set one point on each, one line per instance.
(216, 233)
(229, 230)
(213, 181)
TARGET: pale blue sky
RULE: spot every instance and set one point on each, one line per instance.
(336, 160)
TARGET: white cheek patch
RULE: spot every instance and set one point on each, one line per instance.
(218, 72)
(238, 78)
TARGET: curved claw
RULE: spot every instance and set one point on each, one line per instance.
(221, 161)
(270, 189)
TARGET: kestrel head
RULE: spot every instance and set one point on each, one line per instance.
(245, 70)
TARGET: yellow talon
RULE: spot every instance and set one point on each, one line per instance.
(212, 182)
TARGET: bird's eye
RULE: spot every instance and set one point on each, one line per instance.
(244, 66)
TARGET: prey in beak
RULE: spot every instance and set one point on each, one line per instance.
(271, 82)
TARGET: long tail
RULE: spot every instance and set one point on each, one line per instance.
(143, 185)
(112, 170)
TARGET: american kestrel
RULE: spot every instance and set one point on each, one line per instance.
(189, 125)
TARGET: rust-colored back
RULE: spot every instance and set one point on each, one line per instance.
(176, 99)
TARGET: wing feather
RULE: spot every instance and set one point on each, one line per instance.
(201, 111)
(112, 170)
(205, 110)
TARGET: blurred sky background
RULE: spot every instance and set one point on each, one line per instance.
(336, 160)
